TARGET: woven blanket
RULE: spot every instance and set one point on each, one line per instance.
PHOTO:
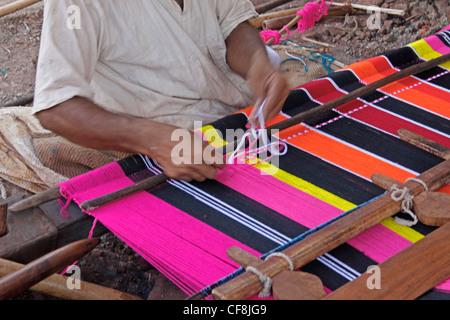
(184, 229)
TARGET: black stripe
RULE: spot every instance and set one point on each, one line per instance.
(381, 144)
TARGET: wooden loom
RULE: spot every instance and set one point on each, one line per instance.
(431, 180)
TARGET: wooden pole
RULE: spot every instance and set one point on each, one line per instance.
(38, 270)
(331, 236)
(56, 286)
(16, 6)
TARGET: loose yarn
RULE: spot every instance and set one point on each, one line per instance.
(311, 13)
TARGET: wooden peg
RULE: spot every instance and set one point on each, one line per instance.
(287, 285)
(431, 208)
(425, 144)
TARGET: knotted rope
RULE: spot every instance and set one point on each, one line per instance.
(265, 280)
(407, 198)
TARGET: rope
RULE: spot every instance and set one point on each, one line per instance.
(265, 280)
(407, 198)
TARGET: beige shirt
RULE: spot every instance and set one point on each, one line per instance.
(146, 58)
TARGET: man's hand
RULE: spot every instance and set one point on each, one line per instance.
(84, 123)
(247, 56)
(183, 153)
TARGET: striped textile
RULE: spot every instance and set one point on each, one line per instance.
(184, 229)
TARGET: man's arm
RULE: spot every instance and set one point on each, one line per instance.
(247, 56)
(86, 124)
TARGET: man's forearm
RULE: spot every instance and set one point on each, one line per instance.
(247, 56)
(244, 48)
(84, 123)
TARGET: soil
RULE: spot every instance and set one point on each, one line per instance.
(113, 264)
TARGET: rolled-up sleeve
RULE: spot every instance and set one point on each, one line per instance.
(68, 53)
(231, 13)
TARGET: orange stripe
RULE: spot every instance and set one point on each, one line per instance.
(342, 155)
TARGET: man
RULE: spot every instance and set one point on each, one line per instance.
(123, 75)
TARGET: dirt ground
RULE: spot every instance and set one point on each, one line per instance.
(113, 263)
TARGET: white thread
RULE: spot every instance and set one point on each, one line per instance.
(3, 190)
(407, 198)
(419, 181)
(407, 203)
(257, 134)
(284, 256)
(265, 280)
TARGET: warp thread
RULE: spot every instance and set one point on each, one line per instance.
(266, 280)
(407, 198)
(311, 13)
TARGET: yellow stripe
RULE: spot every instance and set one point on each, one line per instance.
(213, 136)
(404, 231)
(305, 186)
(424, 50)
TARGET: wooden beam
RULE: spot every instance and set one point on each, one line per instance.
(408, 274)
(332, 235)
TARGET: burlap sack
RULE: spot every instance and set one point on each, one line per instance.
(36, 159)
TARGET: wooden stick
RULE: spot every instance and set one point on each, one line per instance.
(38, 270)
(408, 274)
(16, 6)
(56, 286)
(270, 5)
(257, 22)
(153, 181)
(425, 144)
(36, 200)
(332, 235)
(395, 12)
